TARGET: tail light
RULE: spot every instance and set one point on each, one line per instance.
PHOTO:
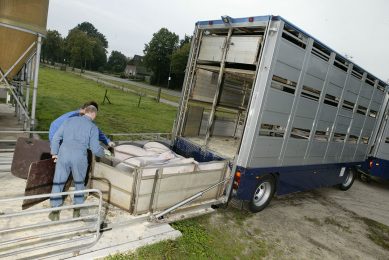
(236, 180)
(370, 164)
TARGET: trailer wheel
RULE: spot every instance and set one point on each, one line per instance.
(262, 194)
(348, 182)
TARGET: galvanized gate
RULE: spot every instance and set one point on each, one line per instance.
(30, 233)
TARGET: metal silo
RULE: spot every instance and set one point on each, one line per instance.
(22, 26)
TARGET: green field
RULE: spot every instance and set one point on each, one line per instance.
(60, 92)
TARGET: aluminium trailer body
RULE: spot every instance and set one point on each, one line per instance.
(290, 113)
(377, 163)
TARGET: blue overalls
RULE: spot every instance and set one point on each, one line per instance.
(56, 124)
(77, 135)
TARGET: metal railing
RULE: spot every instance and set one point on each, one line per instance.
(30, 234)
(130, 136)
(10, 143)
(22, 132)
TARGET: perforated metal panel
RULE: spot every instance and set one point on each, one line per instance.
(325, 110)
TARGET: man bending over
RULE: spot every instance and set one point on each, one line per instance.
(56, 124)
(77, 134)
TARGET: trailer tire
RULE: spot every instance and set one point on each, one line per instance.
(263, 194)
(348, 182)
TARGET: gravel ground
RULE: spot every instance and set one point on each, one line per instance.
(324, 224)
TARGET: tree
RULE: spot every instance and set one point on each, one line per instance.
(99, 48)
(53, 47)
(99, 56)
(117, 62)
(187, 39)
(79, 48)
(91, 31)
(158, 53)
(179, 61)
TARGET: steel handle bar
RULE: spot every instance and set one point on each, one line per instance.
(45, 210)
(45, 224)
(47, 195)
(51, 234)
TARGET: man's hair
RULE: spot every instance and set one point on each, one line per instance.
(90, 109)
(90, 103)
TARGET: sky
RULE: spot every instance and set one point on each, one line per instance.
(358, 28)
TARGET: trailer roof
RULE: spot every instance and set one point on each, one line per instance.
(254, 20)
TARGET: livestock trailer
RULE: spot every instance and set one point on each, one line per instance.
(377, 163)
(287, 111)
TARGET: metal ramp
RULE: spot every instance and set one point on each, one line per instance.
(30, 234)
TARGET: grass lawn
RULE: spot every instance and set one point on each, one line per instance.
(60, 92)
(220, 235)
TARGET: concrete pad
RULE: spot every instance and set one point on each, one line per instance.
(9, 122)
(125, 239)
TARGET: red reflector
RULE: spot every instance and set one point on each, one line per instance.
(370, 164)
(236, 180)
(237, 177)
(251, 19)
(210, 22)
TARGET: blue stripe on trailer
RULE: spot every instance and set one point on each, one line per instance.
(292, 178)
(236, 20)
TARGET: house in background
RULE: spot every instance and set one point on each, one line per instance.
(130, 70)
(136, 70)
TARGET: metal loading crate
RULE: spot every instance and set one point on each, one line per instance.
(151, 189)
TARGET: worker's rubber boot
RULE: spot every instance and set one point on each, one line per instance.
(76, 213)
(54, 215)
